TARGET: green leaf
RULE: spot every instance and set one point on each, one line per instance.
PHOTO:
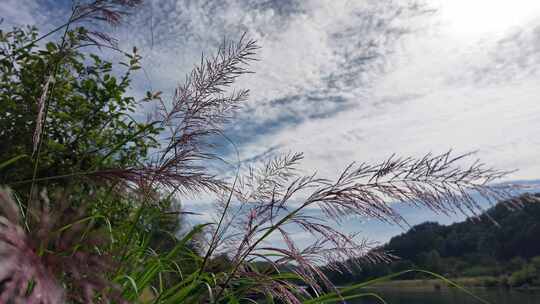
(11, 161)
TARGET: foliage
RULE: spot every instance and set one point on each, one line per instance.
(501, 242)
(524, 276)
(112, 230)
(88, 118)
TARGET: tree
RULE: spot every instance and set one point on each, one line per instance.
(89, 123)
(432, 261)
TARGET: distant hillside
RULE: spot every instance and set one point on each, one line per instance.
(503, 241)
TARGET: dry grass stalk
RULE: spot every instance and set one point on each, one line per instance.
(199, 110)
(40, 114)
(274, 200)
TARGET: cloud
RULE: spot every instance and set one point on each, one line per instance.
(430, 94)
(19, 12)
(346, 81)
(45, 14)
(513, 58)
(318, 58)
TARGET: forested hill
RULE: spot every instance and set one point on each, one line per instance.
(500, 242)
(517, 233)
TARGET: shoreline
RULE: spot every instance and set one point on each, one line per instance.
(438, 285)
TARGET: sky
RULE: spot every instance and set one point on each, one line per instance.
(355, 80)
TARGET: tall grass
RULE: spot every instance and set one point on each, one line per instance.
(109, 238)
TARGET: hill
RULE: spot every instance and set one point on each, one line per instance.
(502, 244)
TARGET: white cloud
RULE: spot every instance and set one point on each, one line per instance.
(342, 80)
(19, 12)
(478, 94)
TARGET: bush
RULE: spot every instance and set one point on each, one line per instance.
(516, 264)
(491, 282)
(82, 120)
(526, 275)
(535, 261)
(478, 271)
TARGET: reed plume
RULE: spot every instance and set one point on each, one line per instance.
(47, 248)
(274, 200)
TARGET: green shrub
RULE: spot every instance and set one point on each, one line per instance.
(87, 122)
(516, 264)
(535, 261)
(526, 275)
(491, 282)
(478, 271)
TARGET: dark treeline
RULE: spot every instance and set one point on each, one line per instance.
(502, 246)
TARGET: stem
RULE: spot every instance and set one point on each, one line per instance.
(252, 247)
(54, 177)
(214, 236)
(131, 232)
(70, 21)
(47, 103)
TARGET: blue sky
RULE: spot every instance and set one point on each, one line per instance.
(347, 81)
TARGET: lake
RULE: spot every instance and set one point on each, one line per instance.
(493, 296)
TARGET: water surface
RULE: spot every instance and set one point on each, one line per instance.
(493, 296)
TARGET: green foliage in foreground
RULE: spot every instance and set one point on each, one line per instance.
(89, 123)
